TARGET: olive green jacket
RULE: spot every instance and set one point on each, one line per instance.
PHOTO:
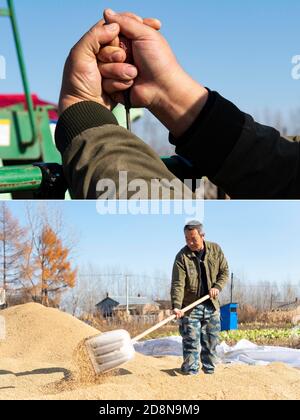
(185, 277)
(96, 150)
(261, 165)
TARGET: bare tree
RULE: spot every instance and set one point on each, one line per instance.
(14, 243)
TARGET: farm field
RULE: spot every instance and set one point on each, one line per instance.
(41, 359)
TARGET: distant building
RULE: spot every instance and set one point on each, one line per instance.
(106, 307)
(136, 305)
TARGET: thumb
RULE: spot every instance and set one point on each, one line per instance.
(97, 36)
(131, 28)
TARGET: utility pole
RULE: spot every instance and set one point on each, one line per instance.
(231, 289)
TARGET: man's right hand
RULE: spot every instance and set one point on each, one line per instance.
(152, 56)
(179, 314)
(162, 85)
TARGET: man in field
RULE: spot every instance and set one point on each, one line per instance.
(200, 269)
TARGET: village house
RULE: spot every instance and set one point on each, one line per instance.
(140, 308)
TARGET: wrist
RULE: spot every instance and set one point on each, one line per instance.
(179, 104)
(67, 100)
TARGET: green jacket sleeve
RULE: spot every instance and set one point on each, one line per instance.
(103, 160)
(223, 275)
(178, 283)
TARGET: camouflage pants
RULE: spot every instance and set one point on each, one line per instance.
(200, 329)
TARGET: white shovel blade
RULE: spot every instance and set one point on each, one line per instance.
(110, 350)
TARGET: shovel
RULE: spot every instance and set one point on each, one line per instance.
(112, 349)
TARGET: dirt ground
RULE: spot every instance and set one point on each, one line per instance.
(41, 359)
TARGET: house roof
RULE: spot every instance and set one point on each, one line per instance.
(107, 300)
(122, 301)
(135, 301)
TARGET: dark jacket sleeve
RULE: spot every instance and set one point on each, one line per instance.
(178, 283)
(223, 275)
(103, 160)
(246, 159)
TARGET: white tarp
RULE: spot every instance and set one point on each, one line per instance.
(2, 297)
(244, 352)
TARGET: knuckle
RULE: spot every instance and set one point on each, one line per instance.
(92, 32)
(72, 52)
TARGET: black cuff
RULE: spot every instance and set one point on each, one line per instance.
(205, 111)
(213, 135)
(78, 118)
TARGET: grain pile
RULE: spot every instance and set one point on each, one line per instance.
(43, 358)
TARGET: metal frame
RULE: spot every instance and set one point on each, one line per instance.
(10, 12)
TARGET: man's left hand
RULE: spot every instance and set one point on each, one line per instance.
(214, 293)
(82, 78)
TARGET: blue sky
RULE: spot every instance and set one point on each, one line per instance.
(259, 239)
(242, 49)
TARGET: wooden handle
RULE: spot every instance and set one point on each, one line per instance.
(171, 318)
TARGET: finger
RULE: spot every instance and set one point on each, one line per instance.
(130, 28)
(133, 16)
(118, 71)
(111, 54)
(153, 23)
(98, 35)
(115, 42)
(111, 86)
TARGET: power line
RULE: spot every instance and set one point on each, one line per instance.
(124, 275)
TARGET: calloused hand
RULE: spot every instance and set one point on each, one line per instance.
(82, 78)
(161, 85)
(152, 57)
(116, 54)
